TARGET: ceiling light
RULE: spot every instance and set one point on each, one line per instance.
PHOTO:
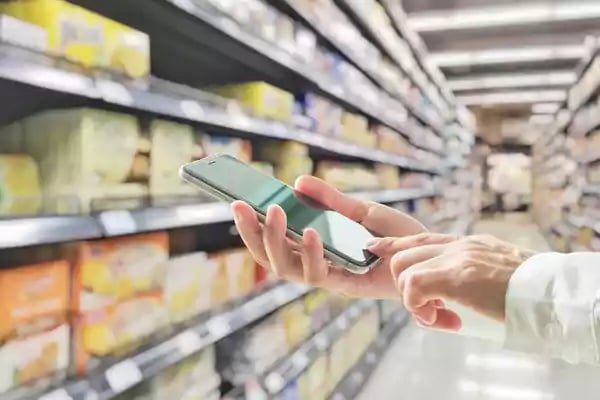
(533, 96)
(545, 108)
(555, 78)
(485, 17)
(508, 55)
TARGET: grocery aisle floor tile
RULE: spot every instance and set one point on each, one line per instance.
(427, 365)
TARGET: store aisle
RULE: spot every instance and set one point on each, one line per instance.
(425, 365)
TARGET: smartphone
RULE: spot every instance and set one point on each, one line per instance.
(229, 179)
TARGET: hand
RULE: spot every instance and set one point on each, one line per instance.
(430, 269)
(305, 263)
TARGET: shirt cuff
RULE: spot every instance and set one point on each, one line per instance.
(552, 306)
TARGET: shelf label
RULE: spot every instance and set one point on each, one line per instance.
(58, 394)
(192, 109)
(300, 360)
(321, 341)
(342, 322)
(123, 375)
(114, 92)
(274, 382)
(218, 327)
(188, 342)
(117, 222)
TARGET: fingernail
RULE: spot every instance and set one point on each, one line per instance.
(373, 243)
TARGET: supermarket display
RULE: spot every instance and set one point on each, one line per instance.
(118, 280)
(565, 168)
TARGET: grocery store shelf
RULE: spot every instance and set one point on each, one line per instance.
(358, 375)
(42, 230)
(117, 378)
(114, 93)
(375, 38)
(276, 379)
(21, 232)
(591, 189)
(165, 19)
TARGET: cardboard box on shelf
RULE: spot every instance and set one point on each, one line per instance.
(81, 154)
(172, 145)
(263, 99)
(190, 285)
(85, 37)
(34, 328)
(19, 185)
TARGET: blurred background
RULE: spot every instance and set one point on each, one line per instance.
(118, 281)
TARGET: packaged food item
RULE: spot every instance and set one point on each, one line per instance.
(239, 148)
(347, 176)
(172, 146)
(118, 268)
(190, 285)
(85, 37)
(263, 99)
(128, 50)
(295, 322)
(388, 175)
(250, 352)
(355, 129)
(290, 159)
(241, 269)
(82, 154)
(34, 329)
(325, 115)
(117, 327)
(392, 141)
(194, 378)
(20, 191)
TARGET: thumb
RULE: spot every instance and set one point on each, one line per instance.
(390, 245)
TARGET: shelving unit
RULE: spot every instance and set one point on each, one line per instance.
(195, 47)
(563, 163)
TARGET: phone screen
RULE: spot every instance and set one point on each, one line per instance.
(340, 234)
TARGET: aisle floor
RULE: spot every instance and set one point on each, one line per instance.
(426, 365)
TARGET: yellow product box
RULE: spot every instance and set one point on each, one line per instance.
(388, 175)
(172, 145)
(353, 126)
(290, 159)
(241, 272)
(295, 323)
(263, 99)
(117, 327)
(128, 50)
(118, 268)
(189, 285)
(34, 330)
(77, 150)
(73, 31)
(85, 37)
(20, 189)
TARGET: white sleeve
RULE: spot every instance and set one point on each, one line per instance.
(553, 307)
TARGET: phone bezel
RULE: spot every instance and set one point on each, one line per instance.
(187, 173)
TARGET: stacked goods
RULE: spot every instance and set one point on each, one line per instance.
(20, 191)
(34, 328)
(325, 116)
(262, 99)
(72, 154)
(85, 37)
(289, 160)
(347, 176)
(118, 295)
(392, 142)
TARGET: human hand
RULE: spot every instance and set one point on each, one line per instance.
(305, 263)
(430, 269)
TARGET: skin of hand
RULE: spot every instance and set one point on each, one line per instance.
(304, 262)
(430, 269)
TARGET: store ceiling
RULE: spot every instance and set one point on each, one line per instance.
(491, 46)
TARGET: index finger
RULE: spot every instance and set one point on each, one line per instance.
(374, 216)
